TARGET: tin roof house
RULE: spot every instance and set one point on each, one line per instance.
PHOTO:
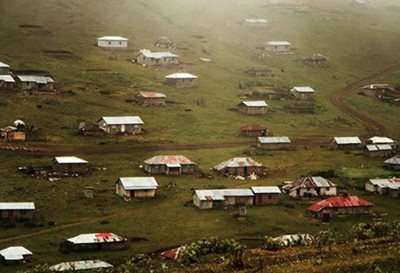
(112, 42)
(148, 58)
(80, 265)
(96, 241)
(181, 80)
(264, 195)
(278, 46)
(15, 255)
(131, 125)
(346, 143)
(34, 82)
(221, 198)
(70, 165)
(136, 187)
(243, 166)
(4, 69)
(303, 92)
(274, 143)
(169, 165)
(393, 163)
(256, 22)
(151, 98)
(258, 107)
(310, 186)
(17, 210)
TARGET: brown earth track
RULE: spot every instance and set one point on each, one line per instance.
(373, 127)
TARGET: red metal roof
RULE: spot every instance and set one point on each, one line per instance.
(251, 128)
(340, 202)
(151, 94)
(174, 253)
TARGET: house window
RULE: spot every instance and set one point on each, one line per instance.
(109, 43)
(269, 197)
(120, 43)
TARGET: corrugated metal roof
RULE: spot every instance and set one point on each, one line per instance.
(266, 189)
(6, 78)
(251, 127)
(220, 194)
(379, 147)
(138, 183)
(17, 206)
(255, 103)
(69, 160)
(347, 140)
(168, 159)
(151, 95)
(174, 253)
(394, 160)
(256, 21)
(80, 265)
(340, 202)
(273, 140)
(310, 182)
(380, 182)
(35, 79)
(112, 38)
(380, 140)
(14, 253)
(237, 162)
(3, 65)
(123, 120)
(181, 76)
(95, 238)
(157, 55)
(278, 43)
(303, 89)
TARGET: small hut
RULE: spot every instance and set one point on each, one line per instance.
(181, 80)
(274, 143)
(345, 143)
(253, 130)
(316, 60)
(69, 165)
(15, 255)
(112, 42)
(151, 98)
(258, 107)
(243, 166)
(165, 42)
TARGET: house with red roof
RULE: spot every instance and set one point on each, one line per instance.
(169, 165)
(340, 206)
(151, 98)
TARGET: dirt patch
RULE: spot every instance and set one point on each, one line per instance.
(28, 26)
(35, 29)
(59, 53)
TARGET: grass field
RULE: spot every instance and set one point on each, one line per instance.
(357, 42)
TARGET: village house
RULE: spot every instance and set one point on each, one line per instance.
(131, 125)
(260, 71)
(146, 57)
(256, 22)
(243, 166)
(97, 241)
(378, 150)
(181, 80)
(377, 89)
(266, 195)
(381, 140)
(303, 92)
(7, 82)
(345, 143)
(277, 46)
(393, 163)
(136, 187)
(12, 134)
(164, 42)
(340, 206)
(221, 198)
(389, 186)
(169, 165)
(15, 255)
(258, 107)
(151, 98)
(4, 69)
(274, 143)
(113, 42)
(253, 130)
(69, 165)
(316, 60)
(30, 83)
(80, 265)
(310, 186)
(17, 210)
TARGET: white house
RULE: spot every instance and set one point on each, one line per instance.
(146, 57)
(121, 125)
(310, 186)
(112, 42)
(136, 187)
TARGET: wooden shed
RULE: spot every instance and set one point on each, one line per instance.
(7, 82)
(181, 80)
(378, 150)
(316, 60)
(12, 134)
(131, 125)
(253, 130)
(258, 107)
(303, 92)
(33, 82)
(15, 255)
(278, 46)
(310, 186)
(136, 187)
(243, 166)
(151, 98)
(165, 42)
(148, 58)
(112, 42)
(169, 165)
(16, 210)
(69, 165)
(393, 163)
(377, 89)
(345, 143)
(266, 195)
(274, 143)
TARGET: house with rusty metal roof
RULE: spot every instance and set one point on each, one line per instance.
(242, 166)
(80, 265)
(221, 198)
(340, 206)
(257, 107)
(151, 98)
(393, 163)
(96, 241)
(310, 186)
(274, 143)
(169, 165)
(346, 143)
(136, 187)
(254, 130)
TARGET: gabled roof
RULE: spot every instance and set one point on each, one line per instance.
(122, 120)
(380, 140)
(340, 202)
(157, 55)
(238, 162)
(96, 238)
(3, 65)
(80, 265)
(394, 160)
(256, 21)
(316, 57)
(169, 160)
(181, 76)
(35, 79)
(278, 43)
(252, 128)
(375, 86)
(220, 194)
(14, 253)
(112, 38)
(378, 147)
(347, 140)
(6, 78)
(149, 95)
(273, 140)
(138, 183)
(303, 89)
(380, 182)
(310, 182)
(255, 103)
(266, 189)
(17, 206)
(69, 160)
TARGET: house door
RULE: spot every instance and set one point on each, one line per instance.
(123, 128)
(259, 199)
(10, 214)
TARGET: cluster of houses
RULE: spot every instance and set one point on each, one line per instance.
(388, 186)
(383, 91)
(9, 81)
